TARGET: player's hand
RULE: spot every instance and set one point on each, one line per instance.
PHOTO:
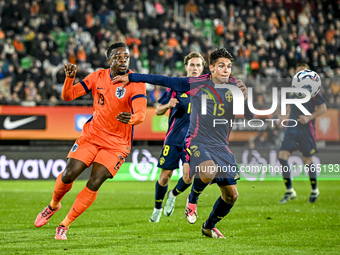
(70, 70)
(243, 88)
(123, 78)
(303, 119)
(172, 103)
(124, 117)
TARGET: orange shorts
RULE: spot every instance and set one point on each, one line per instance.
(89, 153)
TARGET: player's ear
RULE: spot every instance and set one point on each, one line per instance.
(186, 68)
(109, 61)
(211, 68)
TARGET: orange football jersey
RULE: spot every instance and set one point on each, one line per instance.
(108, 101)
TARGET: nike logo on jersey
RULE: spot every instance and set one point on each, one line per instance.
(100, 88)
(9, 125)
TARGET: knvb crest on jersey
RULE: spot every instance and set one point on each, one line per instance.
(74, 147)
(120, 93)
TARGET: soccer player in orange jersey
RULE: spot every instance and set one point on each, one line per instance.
(106, 138)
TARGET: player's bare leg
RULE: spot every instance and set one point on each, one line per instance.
(63, 184)
(310, 167)
(186, 177)
(290, 192)
(183, 183)
(161, 189)
(221, 208)
(207, 172)
(84, 199)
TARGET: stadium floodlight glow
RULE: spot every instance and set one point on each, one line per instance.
(238, 100)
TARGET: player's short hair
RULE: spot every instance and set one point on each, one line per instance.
(115, 46)
(302, 64)
(219, 53)
(193, 55)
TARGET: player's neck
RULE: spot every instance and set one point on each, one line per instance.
(219, 81)
(113, 73)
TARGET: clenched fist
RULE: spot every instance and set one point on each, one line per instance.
(70, 70)
(172, 103)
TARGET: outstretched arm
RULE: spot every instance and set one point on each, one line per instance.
(176, 83)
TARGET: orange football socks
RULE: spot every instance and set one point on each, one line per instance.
(60, 189)
(83, 201)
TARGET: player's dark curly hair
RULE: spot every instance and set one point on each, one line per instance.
(115, 46)
(219, 53)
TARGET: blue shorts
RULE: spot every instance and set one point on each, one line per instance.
(170, 156)
(301, 141)
(224, 181)
(227, 171)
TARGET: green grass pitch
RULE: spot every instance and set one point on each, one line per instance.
(118, 221)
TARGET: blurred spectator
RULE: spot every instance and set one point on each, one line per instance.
(271, 71)
(149, 8)
(49, 7)
(3, 99)
(54, 62)
(304, 42)
(191, 7)
(8, 47)
(135, 64)
(28, 37)
(5, 88)
(81, 55)
(122, 22)
(31, 92)
(267, 38)
(41, 52)
(94, 58)
(19, 46)
(141, 19)
(35, 9)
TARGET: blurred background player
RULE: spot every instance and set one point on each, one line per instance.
(208, 144)
(106, 137)
(302, 138)
(173, 149)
